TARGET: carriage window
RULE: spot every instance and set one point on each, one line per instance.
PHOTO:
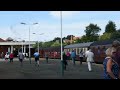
(68, 50)
(104, 48)
(93, 49)
(77, 49)
(83, 50)
(65, 50)
(74, 50)
(98, 52)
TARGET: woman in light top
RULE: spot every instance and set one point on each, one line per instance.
(111, 68)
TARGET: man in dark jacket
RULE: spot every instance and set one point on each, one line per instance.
(64, 60)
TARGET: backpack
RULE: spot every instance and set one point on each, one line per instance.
(21, 56)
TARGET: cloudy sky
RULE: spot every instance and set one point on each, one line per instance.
(74, 23)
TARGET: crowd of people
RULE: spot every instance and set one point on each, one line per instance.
(7, 57)
(88, 55)
(10, 56)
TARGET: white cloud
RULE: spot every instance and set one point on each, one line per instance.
(65, 14)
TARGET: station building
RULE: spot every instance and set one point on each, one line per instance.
(9, 45)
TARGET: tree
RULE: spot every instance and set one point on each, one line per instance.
(84, 38)
(115, 35)
(40, 45)
(105, 36)
(91, 33)
(69, 37)
(55, 44)
(118, 30)
(77, 41)
(48, 44)
(64, 38)
(56, 39)
(110, 27)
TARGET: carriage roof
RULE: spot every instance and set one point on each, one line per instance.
(105, 42)
(79, 45)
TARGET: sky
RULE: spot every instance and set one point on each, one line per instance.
(49, 25)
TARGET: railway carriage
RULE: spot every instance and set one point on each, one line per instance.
(53, 52)
(99, 48)
(77, 48)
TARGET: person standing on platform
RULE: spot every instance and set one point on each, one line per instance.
(73, 56)
(11, 57)
(81, 56)
(90, 59)
(46, 56)
(21, 58)
(6, 57)
(2, 55)
(64, 60)
(37, 56)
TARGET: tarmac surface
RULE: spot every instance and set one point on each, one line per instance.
(50, 70)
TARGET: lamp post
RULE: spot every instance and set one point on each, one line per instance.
(62, 67)
(22, 46)
(22, 40)
(38, 40)
(29, 39)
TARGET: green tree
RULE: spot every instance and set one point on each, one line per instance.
(48, 44)
(105, 36)
(55, 44)
(110, 27)
(68, 43)
(91, 33)
(118, 30)
(78, 41)
(92, 30)
(69, 37)
(57, 38)
(115, 35)
(84, 38)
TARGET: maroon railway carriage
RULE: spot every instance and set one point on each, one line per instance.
(53, 52)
